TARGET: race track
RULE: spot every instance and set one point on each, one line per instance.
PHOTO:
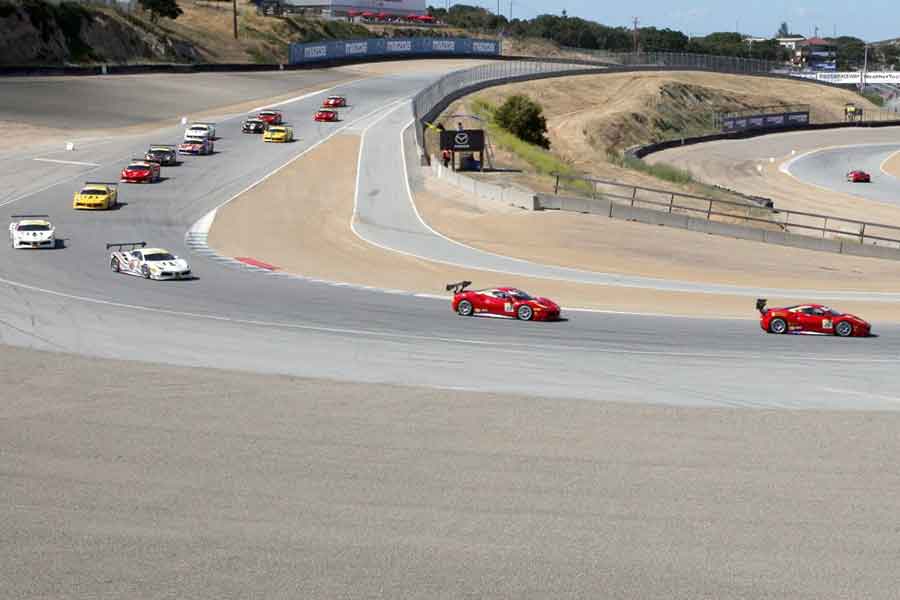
(231, 317)
(827, 169)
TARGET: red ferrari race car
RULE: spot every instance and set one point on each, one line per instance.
(140, 171)
(327, 115)
(502, 301)
(271, 117)
(334, 102)
(859, 177)
(811, 319)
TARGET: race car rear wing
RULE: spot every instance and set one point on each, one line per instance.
(162, 146)
(122, 245)
(29, 216)
(761, 305)
(459, 287)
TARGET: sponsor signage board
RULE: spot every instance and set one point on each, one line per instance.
(334, 50)
(852, 77)
(467, 140)
(786, 119)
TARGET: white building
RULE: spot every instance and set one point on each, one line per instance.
(790, 42)
(342, 7)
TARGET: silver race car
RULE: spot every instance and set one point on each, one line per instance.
(134, 258)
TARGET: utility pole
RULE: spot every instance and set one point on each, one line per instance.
(635, 34)
(234, 16)
(510, 9)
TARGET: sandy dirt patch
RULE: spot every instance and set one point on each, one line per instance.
(597, 243)
(317, 220)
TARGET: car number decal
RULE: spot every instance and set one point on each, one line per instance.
(508, 307)
(827, 324)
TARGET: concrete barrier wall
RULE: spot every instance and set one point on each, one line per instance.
(603, 206)
(482, 190)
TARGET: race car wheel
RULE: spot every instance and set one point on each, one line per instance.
(465, 308)
(145, 271)
(778, 326)
(843, 329)
(525, 313)
(114, 264)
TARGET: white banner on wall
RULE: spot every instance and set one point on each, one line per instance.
(855, 77)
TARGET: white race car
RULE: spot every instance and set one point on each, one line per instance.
(196, 130)
(33, 231)
(134, 258)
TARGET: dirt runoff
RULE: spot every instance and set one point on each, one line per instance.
(323, 246)
(598, 243)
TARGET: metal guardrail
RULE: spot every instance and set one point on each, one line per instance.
(752, 212)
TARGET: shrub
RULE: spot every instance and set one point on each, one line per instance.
(161, 8)
(524, 118)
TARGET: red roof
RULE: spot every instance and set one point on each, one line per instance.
(817, 42)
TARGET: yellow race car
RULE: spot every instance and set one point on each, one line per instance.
(279, 133)
(96, 195)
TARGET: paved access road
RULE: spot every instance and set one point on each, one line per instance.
(230, 317)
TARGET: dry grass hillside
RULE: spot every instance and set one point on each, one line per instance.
(592, 113)
(260, 38)
(589, 116)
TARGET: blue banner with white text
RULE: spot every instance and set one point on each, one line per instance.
(382, 47)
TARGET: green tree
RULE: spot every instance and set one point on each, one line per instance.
(161, 8)
(784, 30)
(524, 118)
(850, 52)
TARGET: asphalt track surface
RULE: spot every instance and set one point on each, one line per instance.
(110, 101)
(828, 168)
(230, 317)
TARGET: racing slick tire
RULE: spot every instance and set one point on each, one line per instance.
(843, 329)
(114, 264)
(778, 326)
(465, 308)
(525, 313)
(145, 271)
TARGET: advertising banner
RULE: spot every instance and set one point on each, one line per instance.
(469, 140)
(381, 47)
(787, 119)
(853, 77)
